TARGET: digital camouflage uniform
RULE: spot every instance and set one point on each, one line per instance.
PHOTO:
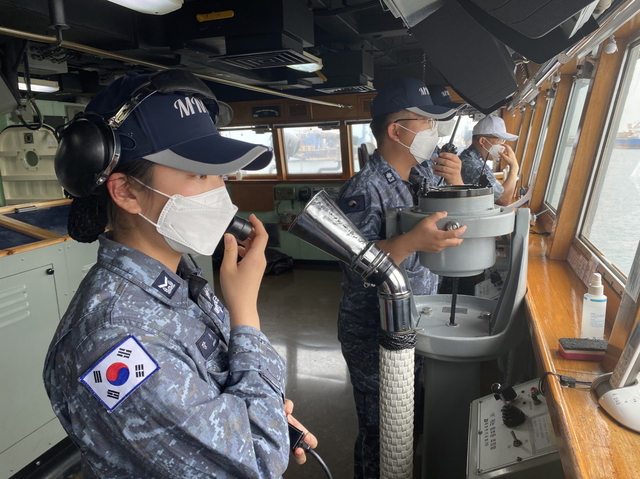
(472, 162)
(206, 401)
(365, 199)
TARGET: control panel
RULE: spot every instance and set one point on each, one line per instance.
(510, 435)
(331, 191)
(284, 193)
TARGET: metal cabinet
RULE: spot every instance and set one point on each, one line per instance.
(36, 286)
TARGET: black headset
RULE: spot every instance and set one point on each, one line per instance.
(89, 147)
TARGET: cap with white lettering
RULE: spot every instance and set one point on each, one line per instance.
(441, 96)
(175, 130)
(409, 94)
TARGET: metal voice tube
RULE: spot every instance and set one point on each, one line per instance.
(323, 225)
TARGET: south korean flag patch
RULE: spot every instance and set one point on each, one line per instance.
(120, 372)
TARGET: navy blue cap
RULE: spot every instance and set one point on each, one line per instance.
(409, 94)
(174, 130)
(441, 96)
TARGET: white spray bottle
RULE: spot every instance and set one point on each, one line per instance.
(594, 308)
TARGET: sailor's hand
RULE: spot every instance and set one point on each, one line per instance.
(425, 236)
(240, 281)
(508, 156)
(449, 167)
(299, 455)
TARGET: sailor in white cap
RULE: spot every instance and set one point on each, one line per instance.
(488, 143)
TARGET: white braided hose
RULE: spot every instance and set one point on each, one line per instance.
(396, 413)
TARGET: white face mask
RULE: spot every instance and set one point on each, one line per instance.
(194, 224)
(445, 128)
(423, 144)
(494, 151)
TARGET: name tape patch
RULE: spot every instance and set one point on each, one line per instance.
(217, 308)
(120, 372)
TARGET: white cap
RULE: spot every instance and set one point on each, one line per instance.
(493, 126)
(595, 286)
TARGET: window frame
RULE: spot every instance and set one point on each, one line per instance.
(557, 153)
(612, 275)
(353, 158)
(337, 125)
(262, 176)
(542, 138)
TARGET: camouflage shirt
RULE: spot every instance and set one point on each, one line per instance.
(365, 199)
(472, 162)
(149, 381)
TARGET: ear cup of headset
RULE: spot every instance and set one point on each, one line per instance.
(85, 150)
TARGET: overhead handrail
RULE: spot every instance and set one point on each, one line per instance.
(156, 66)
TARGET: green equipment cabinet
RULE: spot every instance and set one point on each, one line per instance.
(40, 270)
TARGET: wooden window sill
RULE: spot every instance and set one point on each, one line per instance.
(591, 444)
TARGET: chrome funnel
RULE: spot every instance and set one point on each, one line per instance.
(323, 225)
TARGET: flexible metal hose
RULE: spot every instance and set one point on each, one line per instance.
(396, 413)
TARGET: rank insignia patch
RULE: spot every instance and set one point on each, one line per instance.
(389, 176)
(207, 343)
(166, 285)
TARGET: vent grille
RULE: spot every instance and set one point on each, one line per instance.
(14, 304)
(254, 61)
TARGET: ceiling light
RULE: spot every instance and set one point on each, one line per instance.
(314, 64)
(43, 86)
(153, 7)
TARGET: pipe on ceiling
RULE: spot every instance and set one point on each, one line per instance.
(156, 66)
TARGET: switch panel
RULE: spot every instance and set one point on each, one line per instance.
(331, 191)
(528, 450)
(284, 193)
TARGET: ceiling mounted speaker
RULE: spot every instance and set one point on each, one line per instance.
(538, 33)
(474, 63)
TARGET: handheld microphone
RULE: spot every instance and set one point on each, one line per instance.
(240, 228)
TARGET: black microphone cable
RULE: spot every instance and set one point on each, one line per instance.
(317, 457)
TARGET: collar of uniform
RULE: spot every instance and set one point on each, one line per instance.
(473, 152)
(145, 272)
(381, 166)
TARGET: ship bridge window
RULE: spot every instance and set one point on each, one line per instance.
(258, 135)
(463, 134)
(611, 225)
(568, 140)
(540, 144)
(360, 133)
(312, 149)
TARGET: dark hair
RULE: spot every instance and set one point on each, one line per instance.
(380, 123)
(90, 216)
